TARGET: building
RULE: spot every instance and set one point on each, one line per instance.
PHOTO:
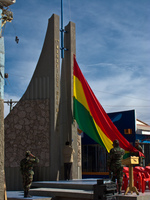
(94, 157)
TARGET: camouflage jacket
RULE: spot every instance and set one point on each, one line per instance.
(115, 157)
(26, 165)
(139, 148)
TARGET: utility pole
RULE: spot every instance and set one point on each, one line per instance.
(11, 103)
(5, 16)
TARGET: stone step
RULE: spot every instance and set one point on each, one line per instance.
(63, 193)
(31, 198)
(19, 195)
(73, 184)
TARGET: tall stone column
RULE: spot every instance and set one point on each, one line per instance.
(54, 102)
(68, 127)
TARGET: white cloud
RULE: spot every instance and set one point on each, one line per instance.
(122, 92)
(112, 45)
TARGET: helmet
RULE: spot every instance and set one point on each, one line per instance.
(115, 143)
(28, 153)
(137, 141)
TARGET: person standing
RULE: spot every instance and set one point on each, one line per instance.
(68, 160)
(139, 148)
(26, 168)
(114, 163)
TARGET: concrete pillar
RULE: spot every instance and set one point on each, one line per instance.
(68, 127)
(54, 101)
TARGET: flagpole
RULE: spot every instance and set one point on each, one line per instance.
(62, 31)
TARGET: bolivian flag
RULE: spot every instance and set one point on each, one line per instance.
(91, 117)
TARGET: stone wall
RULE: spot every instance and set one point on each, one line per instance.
(27, 128)
(1, 149)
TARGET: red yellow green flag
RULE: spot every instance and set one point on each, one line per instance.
(92, 118)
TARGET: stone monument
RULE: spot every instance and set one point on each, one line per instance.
(38, 121)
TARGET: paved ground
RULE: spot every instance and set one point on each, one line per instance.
(18, 195)
(51, 187)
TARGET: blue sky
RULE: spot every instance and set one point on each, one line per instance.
(112, 48)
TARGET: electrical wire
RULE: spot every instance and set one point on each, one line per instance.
(120, 95)
(127, 106)
(99, 91)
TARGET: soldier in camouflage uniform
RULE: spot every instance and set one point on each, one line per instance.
(114, 163)
(26, 167)
(139, 148)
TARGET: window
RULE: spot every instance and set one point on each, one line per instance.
(94, 158)
(128, 131)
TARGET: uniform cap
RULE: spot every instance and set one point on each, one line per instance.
(137, 141)
(115, 143)
(28, 153)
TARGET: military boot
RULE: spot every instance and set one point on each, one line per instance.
(119, 188)
(26, 194)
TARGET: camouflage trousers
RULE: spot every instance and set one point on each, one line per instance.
(27, 181)
(117, 174)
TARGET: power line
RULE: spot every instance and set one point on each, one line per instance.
(120, 95)
(11, 103)
(127, 106)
